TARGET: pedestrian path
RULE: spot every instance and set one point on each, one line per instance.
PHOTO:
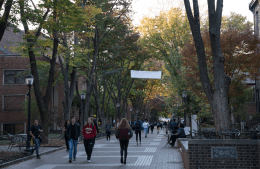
(150, 154)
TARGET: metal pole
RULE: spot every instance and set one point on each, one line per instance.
(28, 126)
(82, 109)
(184, 115)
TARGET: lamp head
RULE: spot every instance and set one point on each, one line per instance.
(29, 80)
(184, 94)
(83, 96)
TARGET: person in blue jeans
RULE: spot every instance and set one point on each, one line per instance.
(35, 131)
(145, 126)
(72, 133)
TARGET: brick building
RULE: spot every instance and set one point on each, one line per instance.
(13, 89)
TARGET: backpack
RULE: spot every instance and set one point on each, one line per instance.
(124, 134)
(138, 125)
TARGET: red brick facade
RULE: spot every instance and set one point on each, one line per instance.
(13, 95)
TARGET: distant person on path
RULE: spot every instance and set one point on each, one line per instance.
(158, 126)
(73, 133)
(124, 133)
(181, 131)
(138, 128)
(117, 124)
(35, 131)
(67, 122)
(108, 130)
(172, 125)
(152, 126)
(145, 126)
(89, 132)
(95, 123)
(174, 136)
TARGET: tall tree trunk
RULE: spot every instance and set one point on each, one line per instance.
(42, 101)
(5, 17)
(218, 98)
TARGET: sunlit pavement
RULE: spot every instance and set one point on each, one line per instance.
(150, 154)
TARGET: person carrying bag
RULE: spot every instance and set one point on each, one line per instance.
(124, 133)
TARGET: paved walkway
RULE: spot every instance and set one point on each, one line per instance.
(151, 154)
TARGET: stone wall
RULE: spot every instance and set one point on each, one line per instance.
(183, 151)
(200, 153)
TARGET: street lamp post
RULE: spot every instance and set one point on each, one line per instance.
(83, 96)
(29, 81)
(184, 95)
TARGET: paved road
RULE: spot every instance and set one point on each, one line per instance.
(150, 154)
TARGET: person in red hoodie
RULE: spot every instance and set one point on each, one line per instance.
(89, 131)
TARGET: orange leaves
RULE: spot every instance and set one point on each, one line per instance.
(239, 48)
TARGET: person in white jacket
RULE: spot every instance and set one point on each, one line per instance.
(145, 126)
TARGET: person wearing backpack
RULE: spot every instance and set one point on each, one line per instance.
(89, 131)
(124, 133)
(138, 128)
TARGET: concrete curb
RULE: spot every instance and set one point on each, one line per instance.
(42, 153)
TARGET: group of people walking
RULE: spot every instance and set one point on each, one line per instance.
(72, 132)
(124, 132)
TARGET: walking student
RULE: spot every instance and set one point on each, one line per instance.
(35, 131)
(138, 128)
(124, 133)
(152, 126)
(89, 131)
(117, 124)
(145, 126)
(73, 133)
(67, 122)
(158, 126)
(108, 130)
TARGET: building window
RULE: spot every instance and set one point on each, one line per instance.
(14, 77)
(13, 102)
(13, 128)
(250, 92)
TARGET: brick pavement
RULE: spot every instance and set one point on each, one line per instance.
(150, 154)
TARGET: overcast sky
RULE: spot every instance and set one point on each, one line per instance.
(152, 7)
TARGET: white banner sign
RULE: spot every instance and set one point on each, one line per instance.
(146, 74)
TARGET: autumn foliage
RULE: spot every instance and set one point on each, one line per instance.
(239, 48)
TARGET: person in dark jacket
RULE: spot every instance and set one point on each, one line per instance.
(108, 130)
(89, 131)
(67, 122)
(73, 132)
(124, 133)
(138, 127)
(181, 131)
(174, 136)
(158, 126)
(35, 131)
(172, 125)
(152, 126)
